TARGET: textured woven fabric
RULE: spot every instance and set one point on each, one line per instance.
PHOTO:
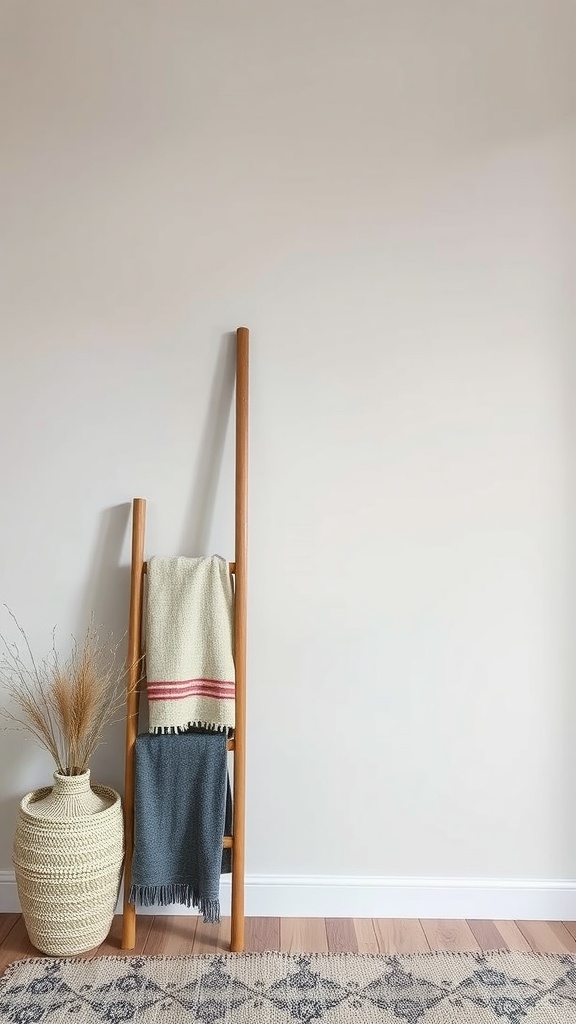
(276, 988)
(189, 657)
(180, 802)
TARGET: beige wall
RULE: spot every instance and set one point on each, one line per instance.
(384, 193)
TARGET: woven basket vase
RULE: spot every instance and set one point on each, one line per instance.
(68, 855)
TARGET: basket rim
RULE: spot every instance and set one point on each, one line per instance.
(100, 790)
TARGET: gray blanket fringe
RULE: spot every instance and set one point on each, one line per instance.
(164, 895)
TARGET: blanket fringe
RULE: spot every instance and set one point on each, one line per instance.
(164, 895)
(171, 730)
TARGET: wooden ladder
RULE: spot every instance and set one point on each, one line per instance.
(235, 842)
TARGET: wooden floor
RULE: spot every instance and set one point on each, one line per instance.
(185, 935)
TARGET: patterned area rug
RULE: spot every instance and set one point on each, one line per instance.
(334, 988)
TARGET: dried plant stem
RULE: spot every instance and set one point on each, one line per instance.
(64, 706)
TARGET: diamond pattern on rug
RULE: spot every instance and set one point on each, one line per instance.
(407, 996)
(277, 988)
(304, 993)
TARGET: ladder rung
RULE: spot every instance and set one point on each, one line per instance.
(230, 744)
(231, 566)
(228, 842)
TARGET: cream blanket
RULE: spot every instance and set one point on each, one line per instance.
(189, 658)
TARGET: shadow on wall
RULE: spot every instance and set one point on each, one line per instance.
(9, 807)
(108, 585)
(25, 775)
(107, 595)
(9, 811)
(107, 762)
(199, 510)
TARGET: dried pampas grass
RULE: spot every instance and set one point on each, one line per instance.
(66, 706)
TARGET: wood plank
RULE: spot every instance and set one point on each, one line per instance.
(303, 935)
(400, 935)
(547, 937)
(212, 938)
(185, 934)
(365, 935)
(487, 935)
(225, 933)
(112, 946)
(447, 934)
(262, 933)
(7, 922)
(563, 935)
(16, 945)
(512, 936)
(206, 939)
(171, 935)
(341, 935)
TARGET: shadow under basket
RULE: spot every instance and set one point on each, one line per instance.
(68, 856)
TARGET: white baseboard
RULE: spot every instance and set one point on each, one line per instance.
(375, 896)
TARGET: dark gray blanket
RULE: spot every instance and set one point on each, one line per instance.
(182, 809)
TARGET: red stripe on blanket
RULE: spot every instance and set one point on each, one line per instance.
(179, 695)
(191, 688)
